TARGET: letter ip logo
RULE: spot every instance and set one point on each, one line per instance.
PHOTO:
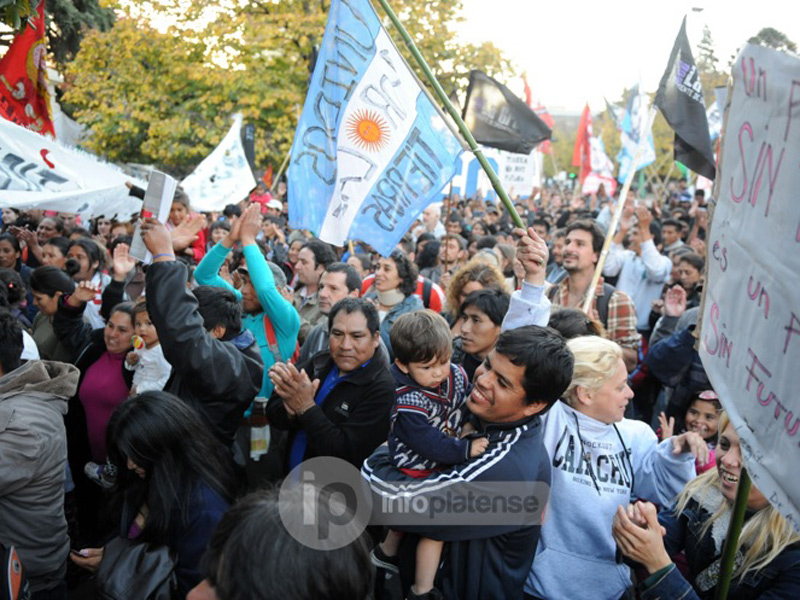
(324, 503)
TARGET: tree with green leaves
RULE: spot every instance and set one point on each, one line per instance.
(167, 97)
(707, 65)
(14, 12)
(68, 21)
(772, 38)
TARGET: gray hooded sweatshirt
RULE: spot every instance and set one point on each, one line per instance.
(33, 458)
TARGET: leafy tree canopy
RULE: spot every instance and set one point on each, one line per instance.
(167, 98)
(772, 38)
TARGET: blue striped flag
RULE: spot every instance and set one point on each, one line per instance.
(371, 150)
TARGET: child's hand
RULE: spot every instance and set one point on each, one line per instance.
(478, 447)
(132, 358)
(667, 426)
(466, 430)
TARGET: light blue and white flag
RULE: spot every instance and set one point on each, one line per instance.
(371, 150)
(633, 124)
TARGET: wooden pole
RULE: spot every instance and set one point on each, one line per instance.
(451, 110)
(612, 228)
(280, 171)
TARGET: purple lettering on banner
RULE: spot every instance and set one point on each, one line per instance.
(756, 85)
(761, 293)
(790, 423)
(763, 156)
(723, 346)
(720, 254)
(792, 104)
(790, 330)
(739, 197)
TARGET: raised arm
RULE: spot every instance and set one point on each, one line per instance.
(285, 319)
(68, 323)
(529, 305)
(207, 272)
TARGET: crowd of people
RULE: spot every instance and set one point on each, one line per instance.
(133, 399)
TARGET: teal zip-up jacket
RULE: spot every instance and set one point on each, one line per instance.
(280, 311)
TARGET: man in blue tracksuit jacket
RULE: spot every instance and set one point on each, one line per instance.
(520, 379)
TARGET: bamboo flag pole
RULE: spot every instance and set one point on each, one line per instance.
(612, 228)
(732, 538)
(280, 171)
(451, 110)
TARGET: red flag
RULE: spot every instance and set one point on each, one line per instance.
(528, 95)
(582, 155)
(267, 178)
(24, 98)
(541, 112)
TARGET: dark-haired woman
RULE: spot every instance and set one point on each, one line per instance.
(11, 258)
(48, 284)
(174, 481)
(54, 252)
(105, 383)
(393, 292)
(86, 264)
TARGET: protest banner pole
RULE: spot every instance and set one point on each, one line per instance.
(732, 538)
(612, 228)
(277, 178)
(451, 110)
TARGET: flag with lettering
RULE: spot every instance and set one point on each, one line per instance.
(632, 129)
(680, 99)
(24, 98)
(372, 150)
(498, 119)
(38, 171)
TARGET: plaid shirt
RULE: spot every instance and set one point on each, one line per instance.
(621, 325)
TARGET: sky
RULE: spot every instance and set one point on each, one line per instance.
(578, 51)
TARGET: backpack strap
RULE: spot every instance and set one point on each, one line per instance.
(272, 340)
(603, 301)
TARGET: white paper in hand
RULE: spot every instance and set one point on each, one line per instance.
(157, 203)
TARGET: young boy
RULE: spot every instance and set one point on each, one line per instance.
(427, 418)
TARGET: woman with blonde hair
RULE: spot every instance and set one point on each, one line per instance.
(476, 275)
(599, 460)
(767, 563)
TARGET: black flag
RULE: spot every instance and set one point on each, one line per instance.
(680, 99)
(498, 119)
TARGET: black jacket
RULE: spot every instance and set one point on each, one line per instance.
(354, 418)
(219, 379)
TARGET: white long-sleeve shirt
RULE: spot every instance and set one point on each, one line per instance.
(641, 277)
(152, 371)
